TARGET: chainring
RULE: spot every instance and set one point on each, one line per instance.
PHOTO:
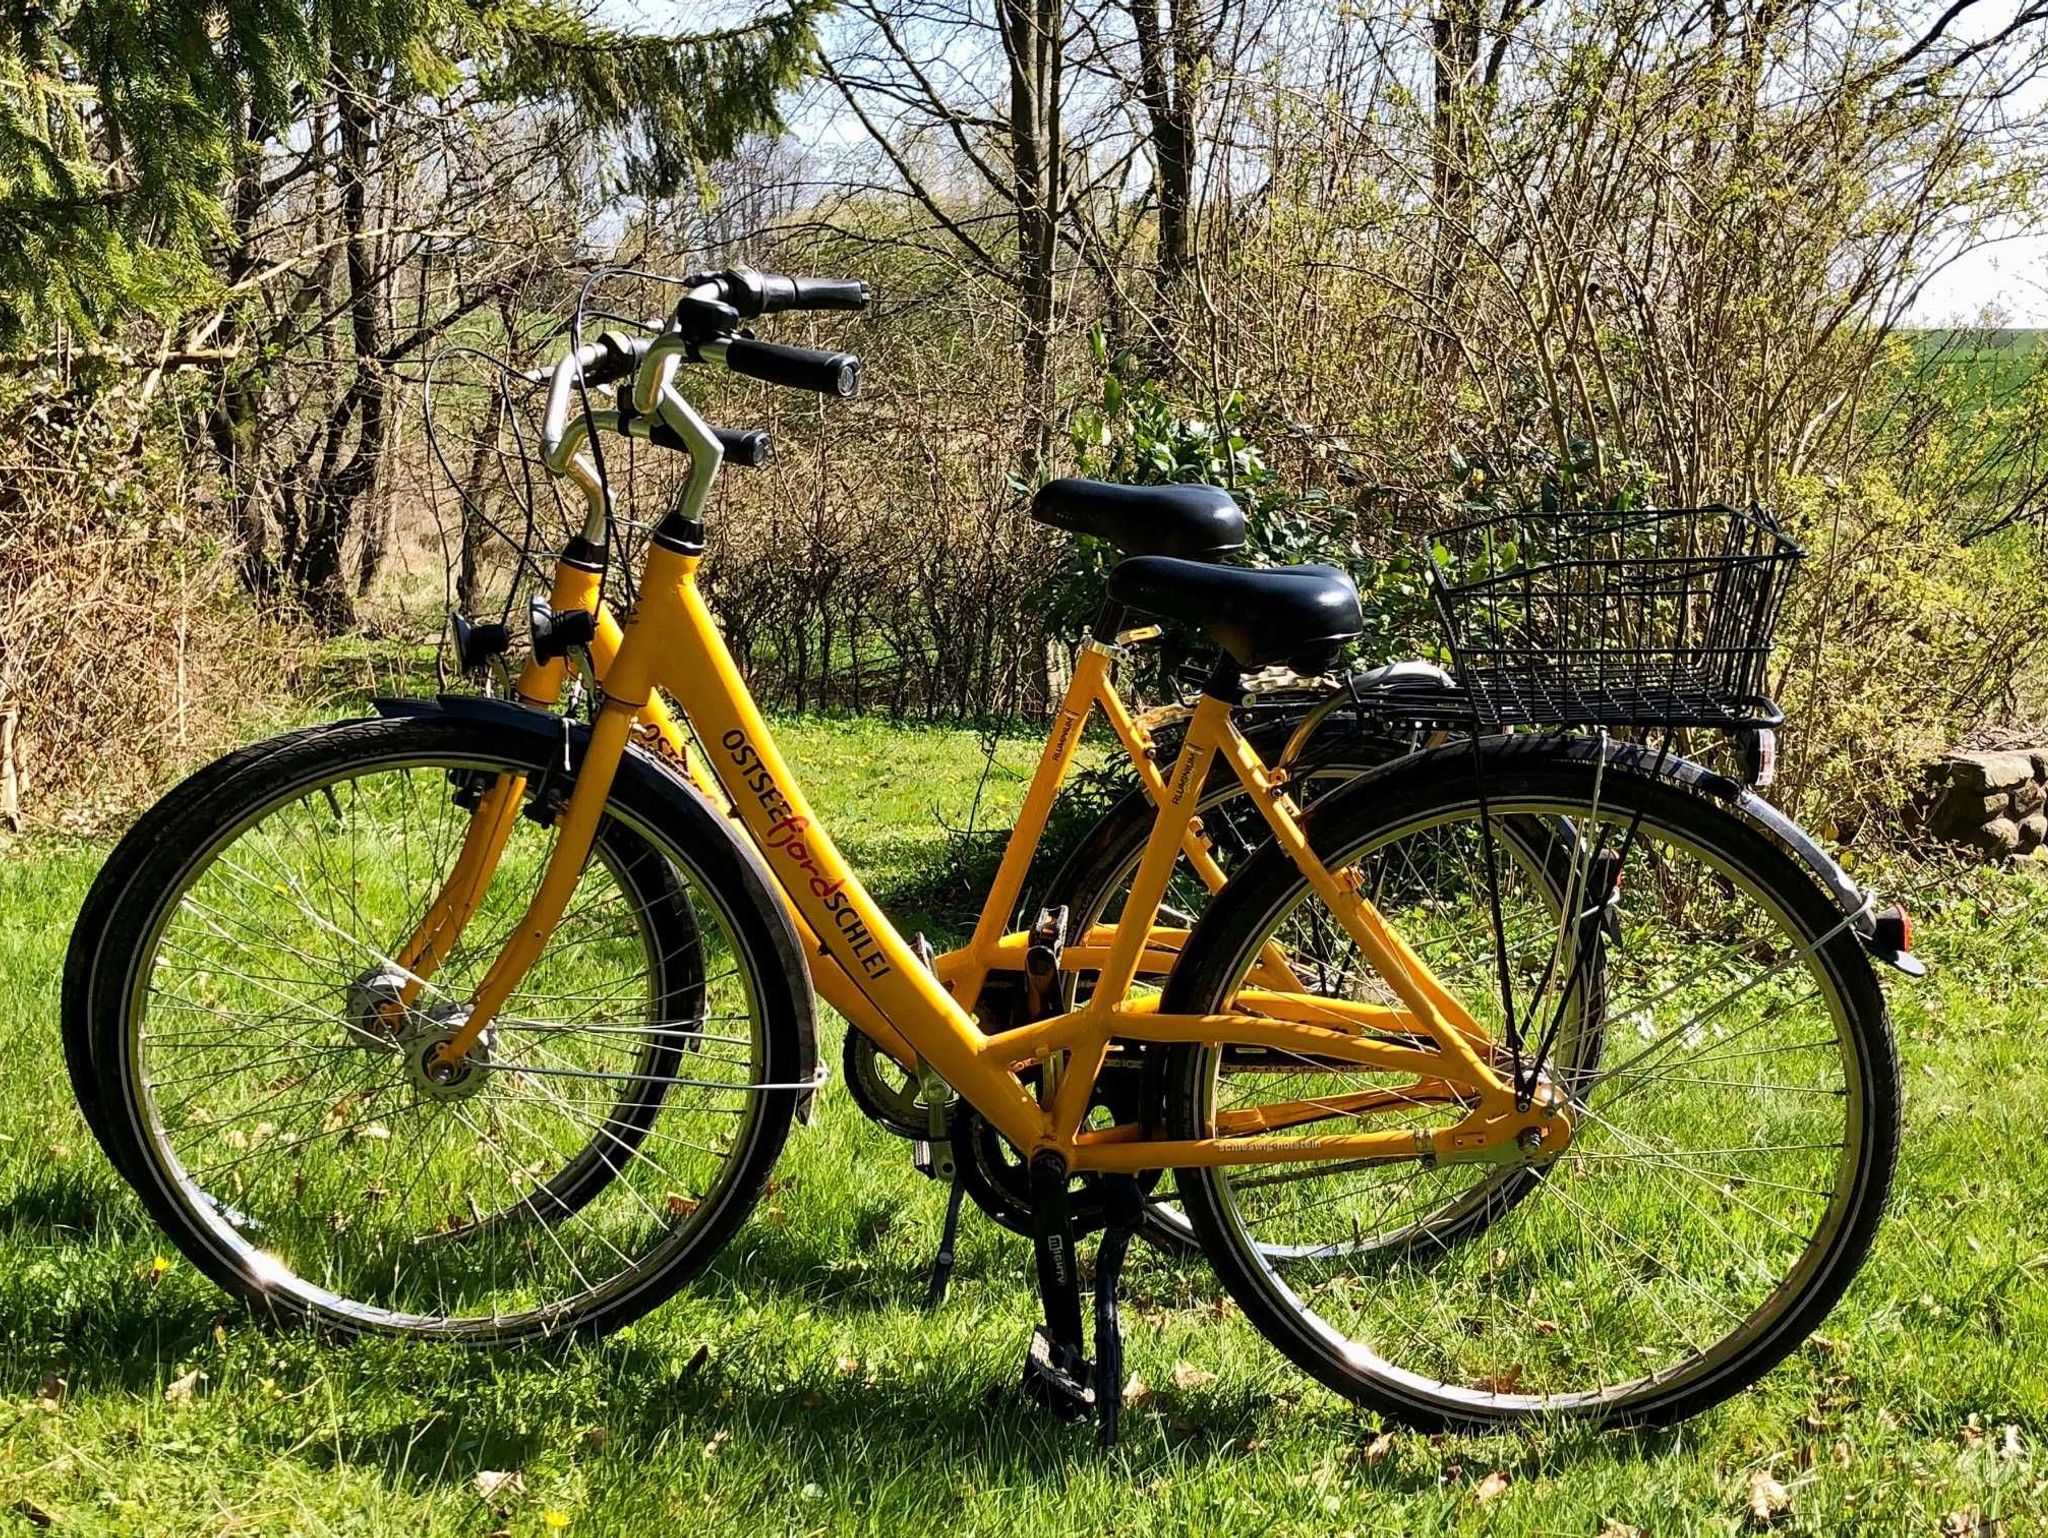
(871, 1076)
(996, 1175)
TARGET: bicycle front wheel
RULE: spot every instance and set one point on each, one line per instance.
(272, 1103)
(1731, 1149)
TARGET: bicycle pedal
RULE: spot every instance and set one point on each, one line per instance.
(1042, 961)
(1057, 1379)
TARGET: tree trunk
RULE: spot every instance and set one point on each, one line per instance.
(476, 493)
(322, 583)
(1455, 46)
(234, 424)
(1170, 61)
(1030, 32)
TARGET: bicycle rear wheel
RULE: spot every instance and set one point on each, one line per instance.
(1095, 882)
(600, 1149)
(1731, 1150)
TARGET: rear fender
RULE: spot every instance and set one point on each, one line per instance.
(1858, 907)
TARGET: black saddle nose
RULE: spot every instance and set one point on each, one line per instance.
(1298, 615)
(1197, 523)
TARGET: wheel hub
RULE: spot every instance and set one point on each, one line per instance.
(375, 1016)
(439, 1080)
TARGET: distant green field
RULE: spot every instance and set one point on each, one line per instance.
(799, 1388)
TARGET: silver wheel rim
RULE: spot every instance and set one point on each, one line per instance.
(1502, 1391)
(668, 1220)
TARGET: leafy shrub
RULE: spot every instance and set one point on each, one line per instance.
(1898, 640)
(1136, 433)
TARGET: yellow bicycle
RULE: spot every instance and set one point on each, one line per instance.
(358, 1016)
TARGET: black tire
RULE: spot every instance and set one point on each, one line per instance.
(213, 790)
(652, 817)
(116, 877)
(1442, 784)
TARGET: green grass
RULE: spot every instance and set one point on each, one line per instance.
(798, 1388)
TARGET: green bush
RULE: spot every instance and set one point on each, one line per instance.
(1137, 433)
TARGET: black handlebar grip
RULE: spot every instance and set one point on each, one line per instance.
(745, 446)
(780, 293)
(794, 368)
(750, 447)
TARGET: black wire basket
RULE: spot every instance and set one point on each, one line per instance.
(1647, 617)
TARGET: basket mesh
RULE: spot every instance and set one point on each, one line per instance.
(1646, 617)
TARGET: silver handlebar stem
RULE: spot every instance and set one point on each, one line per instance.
(653, 391)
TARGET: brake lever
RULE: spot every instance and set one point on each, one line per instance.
(704, 320)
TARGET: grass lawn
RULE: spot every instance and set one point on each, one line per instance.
(799, 1388)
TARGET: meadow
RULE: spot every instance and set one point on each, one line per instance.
(800, 1387)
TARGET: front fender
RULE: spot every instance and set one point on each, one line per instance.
(574, 738)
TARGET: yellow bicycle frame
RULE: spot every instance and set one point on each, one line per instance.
(1091, 688)
(672, 643)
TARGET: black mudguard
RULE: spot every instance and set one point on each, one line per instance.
(1858, 906)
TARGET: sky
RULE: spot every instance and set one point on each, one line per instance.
(2004, 282)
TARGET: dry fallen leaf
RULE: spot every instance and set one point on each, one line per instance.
(1136, 1391)
(1610, 1528)
(50, 1395)
(595, 1437)
(180, 1390)
(1491, 1488)
(496, 1486)
(1972, 1524)
(1186, 1375)
(2009, 1444)
(1768, 1500)
(679, 1205)
(717, 1443)
(847, 1366)
(1378, 1448)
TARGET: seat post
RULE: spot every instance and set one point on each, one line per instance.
(1226, 680)
(1109, 621)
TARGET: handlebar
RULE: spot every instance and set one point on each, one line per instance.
(752, 293)
(750, 447)
(704, 327)
(794, 368)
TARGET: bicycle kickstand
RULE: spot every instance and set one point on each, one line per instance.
(942, 1264)
(1126, 1204)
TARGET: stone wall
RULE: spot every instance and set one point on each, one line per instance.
(1993, 802)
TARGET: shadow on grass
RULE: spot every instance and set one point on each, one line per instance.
(59, 1207)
